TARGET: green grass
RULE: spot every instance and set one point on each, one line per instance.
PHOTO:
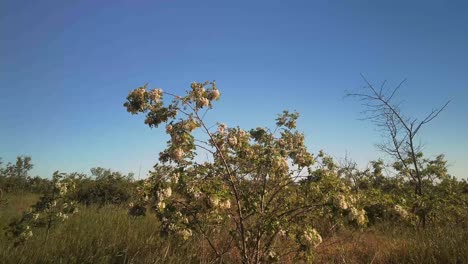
(109, 235)
(105, 235)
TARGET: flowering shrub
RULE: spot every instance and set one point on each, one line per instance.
(249, 187)
(341, 206)
(51, 209)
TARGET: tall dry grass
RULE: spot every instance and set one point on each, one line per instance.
(109, 235)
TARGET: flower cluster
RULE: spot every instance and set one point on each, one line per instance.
(64, 186)
(155, 95)
(176, 223)
(28, 232)
(310, 238)
(342, 204)
(214, 202)
(162, 195)
(137, 100)
(400, 211)
(357, 216)
(202, 96)
(185, 233)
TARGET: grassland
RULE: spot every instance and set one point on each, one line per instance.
(108, 235)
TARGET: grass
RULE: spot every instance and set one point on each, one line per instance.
(109, 235)
(96, 235)
(14, 205)
(396, 244)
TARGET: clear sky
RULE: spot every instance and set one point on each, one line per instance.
(67, 66)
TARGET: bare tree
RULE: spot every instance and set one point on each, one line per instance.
(399, 131)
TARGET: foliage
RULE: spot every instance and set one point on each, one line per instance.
(259, 197)
(250, 186)
(14, 176)
(52, 208)
(103, 187)
(400, 133)
(107, 235)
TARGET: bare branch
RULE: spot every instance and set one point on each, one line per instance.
(399, 132)
(431, 116)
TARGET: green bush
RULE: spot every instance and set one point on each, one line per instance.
(103, 187)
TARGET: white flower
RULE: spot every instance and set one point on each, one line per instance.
(242, 133)
(359, 216)
(161, 205)
(185, 233)
(169, 129)
(213, 201)
(62, 215)
(140, 90)
(28, 232)
(201, 91)
(281, 142)
(147, 183)
(232, 141)
(272, 256)
(281, 163)
(225, 204)
(172, 226)
(203, 102)
(155, 94)
(167, 192)
(361, 220)
(400, 211)
(249, 152)
(215, 94)
(222, 128)
(341, 202)
(177, 154)
(175, 177)
(311, 237)
(282, 233)
(190, 125)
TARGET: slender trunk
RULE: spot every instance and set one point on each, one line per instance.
(230, 180)
(418, 190)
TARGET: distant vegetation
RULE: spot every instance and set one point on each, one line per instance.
(260, 197)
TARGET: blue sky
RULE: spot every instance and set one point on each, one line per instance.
(67, 66)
